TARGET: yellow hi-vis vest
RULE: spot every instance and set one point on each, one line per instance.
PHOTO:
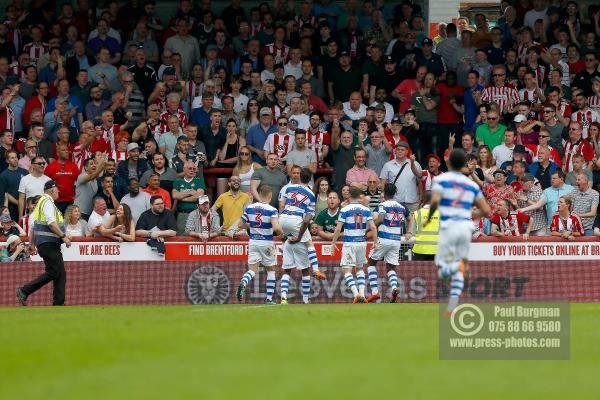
(426, 238)
(43, 234)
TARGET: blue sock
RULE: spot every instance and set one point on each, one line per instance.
(349, 279)
(271, 281)
(305, 288)
(456, 287)
(392, 279)
(312, 257)
(362, 282)
(247, 278)
(285, 285)
(373, 280)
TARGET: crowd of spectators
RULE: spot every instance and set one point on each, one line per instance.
(162, 124)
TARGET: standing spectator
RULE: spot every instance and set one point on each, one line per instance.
(154, 189)
(300, 155)
(143, 74)
(471, 100)
(64, 172)
(564, 223)
(184, 44)
(137, 200)
(373, 192)
(504, 96)
(156, 224)
(543, 169)
(103, 72)
(344, 80)
(10, 180)
(213, 136)
(556, 129)
(425, 101)
(7, 139)
(106, 191)
(160, 167)
(530, 194)
(354, 108)
(203, 222)
(510, 223)
(342, 154)
(271, 176)
(87, 186)
(257, 135)
(186, 191)
(405, 90)
(584, 115)
(491, 133)
(359, 174)
(168, 140)
(585, 203)
(550, 196)
(378, 151)
(402, 175)
(504, 152)
(326, 220)
(97, 105)
(578, 168)
(232, 204)
(32, 184)
(576, 144)
(134, 166)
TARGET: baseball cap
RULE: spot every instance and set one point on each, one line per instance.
(402, 144)
(427, 42)
(132, 146)
(203, 199)
(379, 107)
(265, 111)
(50, 184)
(5, 218)
(501, 171)
(169, 71)
(527, 177)
(433, 156)
(396, 120)
(344, 54)
(212, 47)
(11, 239)
(519, 149)
(520, 118)
(389, 60)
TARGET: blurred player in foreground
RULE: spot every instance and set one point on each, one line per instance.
(390, 219)
(356, 219)
(261, 218)
(455, 194)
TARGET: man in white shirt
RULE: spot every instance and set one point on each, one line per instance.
(504, 151)
(354, 108)
(138, 201)
(297, 114)
(538, 12)
(32, 184)
(294, 66)
(99, 216)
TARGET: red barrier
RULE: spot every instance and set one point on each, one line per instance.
(215, 282)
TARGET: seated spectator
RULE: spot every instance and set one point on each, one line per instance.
(75, 226)
(499, 190)
(99, 216)
(359, 174)
(159, 167)
(156, 224)
(138, 201)
(120, 226)
(232, 204)
(9, 227)
(585, 202)
(203, 222)
(326, 220)
(186, 191)
(15, 250)
(510, 223)
(154, 189)
(564, 223)
(481, 227)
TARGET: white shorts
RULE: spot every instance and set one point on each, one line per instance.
(295, 256)
(354, 255)
(291, 227)
(453, 243)
(387, 250)
(265, 255)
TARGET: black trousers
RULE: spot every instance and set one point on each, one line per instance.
(55, 271)
(423, 257)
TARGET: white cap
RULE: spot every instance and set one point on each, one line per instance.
(203, 199)
(520, 118)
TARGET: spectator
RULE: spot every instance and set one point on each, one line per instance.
(426, 176)
(300, 155)
(9, 227)
(504, 151)
(138, 201)
(345, 79)
(326, 220)
(10, 180)
(75, 226)
(551, 195)
(203, 222)
(64, 172)
(120, 226)
(578, 168)
(499, 189)
(543, 169)
(271, 176)
(529, 194)
(585, 203)
(342, 151)
(378, 151)
(245, 168)
(184, 44)
(134, 166)
(99, 216)
(97, 105)
(373, 192)
(232, 204)
(106, 191)
(281, 141)
(359, 174)
(87, 186)
(15, 250)
(564, 223)
(154, 189)
(167, 174)
(228, 154)
(405, 179)
(321, 189)
(354, 108)
(491, 133)
(32, 184)
(156, 224)
(103, 73)
(213, 136)
(186, 191)
(543, 141)
(405, 90)
(576, 144)
(504, 96)
(510, 223)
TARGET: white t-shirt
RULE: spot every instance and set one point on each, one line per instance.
(354, 115)
(97, 219)
(197, 103)
(302, 119)
(240, 103)
(32, 186)
(502, 153)
(532, 15)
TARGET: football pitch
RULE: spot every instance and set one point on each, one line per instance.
(379, 351)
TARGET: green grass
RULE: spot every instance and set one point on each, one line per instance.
(294, 352)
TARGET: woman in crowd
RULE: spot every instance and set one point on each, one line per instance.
(251, 117)
(120, 226)
(345, 196)
(244, 168)
(565, 224)
(228, 156)
(321, 190)
(486, 162)
(74, 225)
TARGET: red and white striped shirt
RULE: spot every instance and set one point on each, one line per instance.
(564, 109)
(193, 89)
(277, 110)
(279, 144)
(164, 120)
(586, 117)
(311, 21)
(541, 74)
(513, 222)
(255, 28)
(119, 155)
(7, 119)
(315, 142)
(530, 95)
(35, 51)
(505, 97)
(594, 103)
(427, 179)
(534, 149)
(523, 49)
(279, 53)
(582, 147)
(79, 155)
(571, 224)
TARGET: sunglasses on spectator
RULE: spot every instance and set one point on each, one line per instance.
(283, 124)
(497, 75)
(544, 136)
(548, 111)
(590, 59)
(244, 153)
(492, 118)
(39, 163)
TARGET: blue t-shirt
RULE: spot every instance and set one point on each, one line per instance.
(257, 137)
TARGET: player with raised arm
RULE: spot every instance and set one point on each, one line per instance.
(299, 208)
(356, 219)
(261, 218)
(455, 194)
(390, 220)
